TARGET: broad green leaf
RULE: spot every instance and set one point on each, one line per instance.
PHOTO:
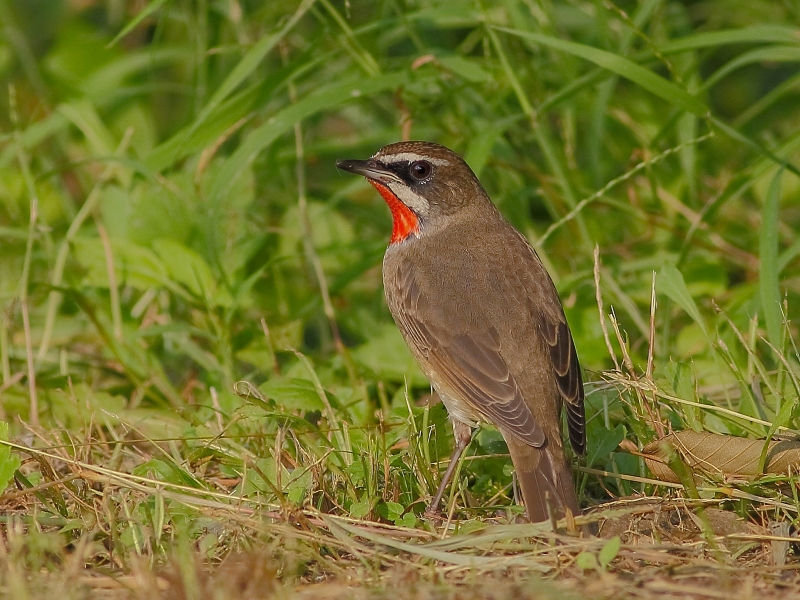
(332, 235)
(390, 510)
(84, 116)
(586, 561)
(360, 509)
(299, 482)
(9, 461)
(387, 355)
(292, 394)
(670, 282)
(768, 281)
(609, 551)
(682, 382)
(186, 267)
(409, 520)
(605, 445)
(624, 67)
(205, 359)
(469, 70)
(165, 469)
(133, 264)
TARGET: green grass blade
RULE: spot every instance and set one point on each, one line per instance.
(772, 54)
(480, 148)
(754, 145)
(623, 67)
(768, 282)
(763, 103)
(247, 66)
(133, 23)
(327, 96)
(782, 420)
(776, 34)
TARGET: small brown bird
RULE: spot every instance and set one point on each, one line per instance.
(481, 316)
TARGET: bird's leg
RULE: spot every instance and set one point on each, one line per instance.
(463, 435)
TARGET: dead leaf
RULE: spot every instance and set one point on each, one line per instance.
(726, 456)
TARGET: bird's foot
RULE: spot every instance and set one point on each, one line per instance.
(432, 513)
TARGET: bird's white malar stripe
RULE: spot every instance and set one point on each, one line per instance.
(410, 198)
(409, 157)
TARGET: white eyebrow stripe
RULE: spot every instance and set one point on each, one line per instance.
(410, 157)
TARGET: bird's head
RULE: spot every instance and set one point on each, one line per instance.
(421, 182)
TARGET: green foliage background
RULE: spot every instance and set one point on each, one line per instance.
(172, 226)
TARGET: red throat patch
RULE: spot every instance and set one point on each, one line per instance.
(404, 221)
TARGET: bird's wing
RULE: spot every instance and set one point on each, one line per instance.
(548, 314)
(469, 364)
(556, 333)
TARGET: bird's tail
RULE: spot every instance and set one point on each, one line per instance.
(545, 478)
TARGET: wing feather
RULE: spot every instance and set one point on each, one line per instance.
(568, 376)
(468, 364)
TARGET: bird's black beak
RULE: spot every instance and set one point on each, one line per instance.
(370, 169)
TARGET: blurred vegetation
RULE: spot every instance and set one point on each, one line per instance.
(190, 294)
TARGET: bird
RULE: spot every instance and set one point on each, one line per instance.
(482, 317)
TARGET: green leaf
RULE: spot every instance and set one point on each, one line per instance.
(623, 67)
(9, 462)
(387, 355)
(189, 269)
(407, 520)
(134, 265)
(360, 509)
(683, 384)
(85, 117)
(671, 283)
(768, 281)
(586, 561)
(292, 394)
(609, 551)
(390, 510)
(606, 444)
(469, 70)
(164, 469)
(299, 482)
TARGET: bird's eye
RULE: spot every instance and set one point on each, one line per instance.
(420, 170)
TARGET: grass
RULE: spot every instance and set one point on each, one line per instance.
(202, 393)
